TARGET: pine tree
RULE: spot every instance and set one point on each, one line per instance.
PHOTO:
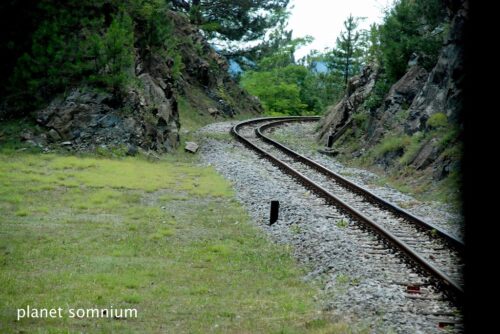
(347, 55)
(242, 20)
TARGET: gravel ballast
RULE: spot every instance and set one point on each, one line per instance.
(364, 281)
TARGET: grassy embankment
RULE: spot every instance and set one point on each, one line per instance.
(164, 237)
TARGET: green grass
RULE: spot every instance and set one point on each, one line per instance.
(437, 120)
(166, 238)
(342, 223)
(193, 112)
(307, 143)
(192, 119)
(390, 144)
(9, 135)
(412, 148)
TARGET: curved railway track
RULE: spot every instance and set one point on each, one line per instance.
(434, 251)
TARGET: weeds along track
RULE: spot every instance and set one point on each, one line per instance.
(435, 253)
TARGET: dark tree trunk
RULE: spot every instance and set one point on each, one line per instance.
(348, 57)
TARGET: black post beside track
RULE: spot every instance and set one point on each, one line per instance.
(448, 283)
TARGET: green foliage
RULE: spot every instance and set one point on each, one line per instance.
(347, 55)
(89, 42)
(342, 223)
(279, 82)
(374, 48)
(233, 20)
(412, 148)
(156, 34)
(52, 63)
(360, 120)
(409, 28)
(391, 143)
(9, 136)
(437, 120)
(71, 44)
(296, 229)
(381, 88)
(321, 88)
(113, 54)
(450, 135)
(278, 92)
(286, 86)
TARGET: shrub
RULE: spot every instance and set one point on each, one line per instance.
(391, 144)
(412, 149)
(87, 42)
(114, 54)
(381, 88)
(450, 135)
(360, 119)
(437, 120)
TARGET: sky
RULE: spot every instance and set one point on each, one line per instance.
(323, 19)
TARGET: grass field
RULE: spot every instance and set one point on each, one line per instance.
(165, 238)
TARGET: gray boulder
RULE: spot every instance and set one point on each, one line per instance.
(191, 147)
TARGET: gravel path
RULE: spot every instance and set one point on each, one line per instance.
(364, 281)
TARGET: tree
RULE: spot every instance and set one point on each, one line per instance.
(68, 43)
(408, 28)
(278, 89)
(118, 47)
(374, 51)
(241, 20)
(278, 40)
(322, 86)
(347, 55)
(278, 81)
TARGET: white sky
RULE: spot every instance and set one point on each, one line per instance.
(323, 19)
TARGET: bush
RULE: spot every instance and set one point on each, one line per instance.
(391, 144)
(360, 120)
(437, 120)
(380, 90)
(412, 149)
(449, 136)
(113, 54)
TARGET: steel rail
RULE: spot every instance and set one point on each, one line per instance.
(454, 241)
(441, 277)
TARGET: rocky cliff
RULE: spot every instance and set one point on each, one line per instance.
(339, 116)
(147, 116)
(205, 81)
(417, 124)
(443, 89)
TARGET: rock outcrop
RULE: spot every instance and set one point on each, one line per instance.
(397, 101)
(205, 80)
(146, 117)
(443, 90)
(406, 110)
(147, 114)
(358, 89)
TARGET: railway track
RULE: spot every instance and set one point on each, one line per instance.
(432, 250)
